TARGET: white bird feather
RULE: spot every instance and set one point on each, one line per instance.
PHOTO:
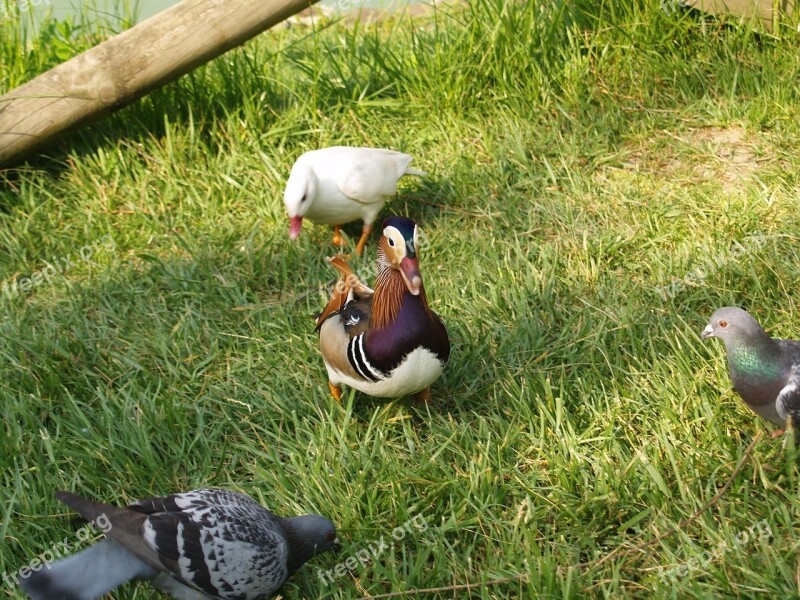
(340, 184)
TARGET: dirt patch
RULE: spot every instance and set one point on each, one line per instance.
(729, 155)
(725, 154)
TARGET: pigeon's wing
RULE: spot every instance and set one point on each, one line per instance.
(215, 541)
(788, 402)
(179, 543)
(91, 573)
(372, 176)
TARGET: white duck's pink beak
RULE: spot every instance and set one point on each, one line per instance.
(294, 227)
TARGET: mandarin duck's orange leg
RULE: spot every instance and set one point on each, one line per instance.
(337, 236)
(423, 395)
(336, 392)
(365, 231)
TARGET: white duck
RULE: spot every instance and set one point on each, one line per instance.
(336, 185)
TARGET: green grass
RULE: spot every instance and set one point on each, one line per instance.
(581, 157)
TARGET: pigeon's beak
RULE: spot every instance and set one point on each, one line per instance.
(294, 227)
(409, 268)
(707, 332)
(336, 545)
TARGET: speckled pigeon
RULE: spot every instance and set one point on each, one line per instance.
(765, 372)
(209, 543)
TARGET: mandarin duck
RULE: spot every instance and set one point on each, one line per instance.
(387, 342)
(336, 185)
(765, 372)
(209, 543)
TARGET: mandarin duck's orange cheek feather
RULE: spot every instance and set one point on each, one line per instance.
(388, 343)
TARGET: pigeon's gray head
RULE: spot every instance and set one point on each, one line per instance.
(731, 322)
(301, 189)
(309, 535)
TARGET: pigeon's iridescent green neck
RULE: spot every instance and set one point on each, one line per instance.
(754, 361)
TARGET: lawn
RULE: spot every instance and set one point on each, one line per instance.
(602, 177)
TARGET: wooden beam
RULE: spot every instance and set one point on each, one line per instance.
(129, 65)
(768, 11)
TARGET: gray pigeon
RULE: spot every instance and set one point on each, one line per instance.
(208, 543)
(765, 372)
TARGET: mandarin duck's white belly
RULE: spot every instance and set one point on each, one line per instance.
(419, 369)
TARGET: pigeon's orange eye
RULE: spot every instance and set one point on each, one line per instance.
(723, 324)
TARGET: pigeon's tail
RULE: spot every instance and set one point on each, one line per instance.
(87, 575)
(88, 509)
(417, 172)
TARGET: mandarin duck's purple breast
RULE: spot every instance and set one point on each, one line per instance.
(415, 326)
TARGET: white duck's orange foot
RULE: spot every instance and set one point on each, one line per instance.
(338, 240)
(365, 231)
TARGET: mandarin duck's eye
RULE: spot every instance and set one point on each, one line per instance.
(391, 242)
(723, 324)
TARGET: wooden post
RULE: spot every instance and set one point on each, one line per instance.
(128, 66)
